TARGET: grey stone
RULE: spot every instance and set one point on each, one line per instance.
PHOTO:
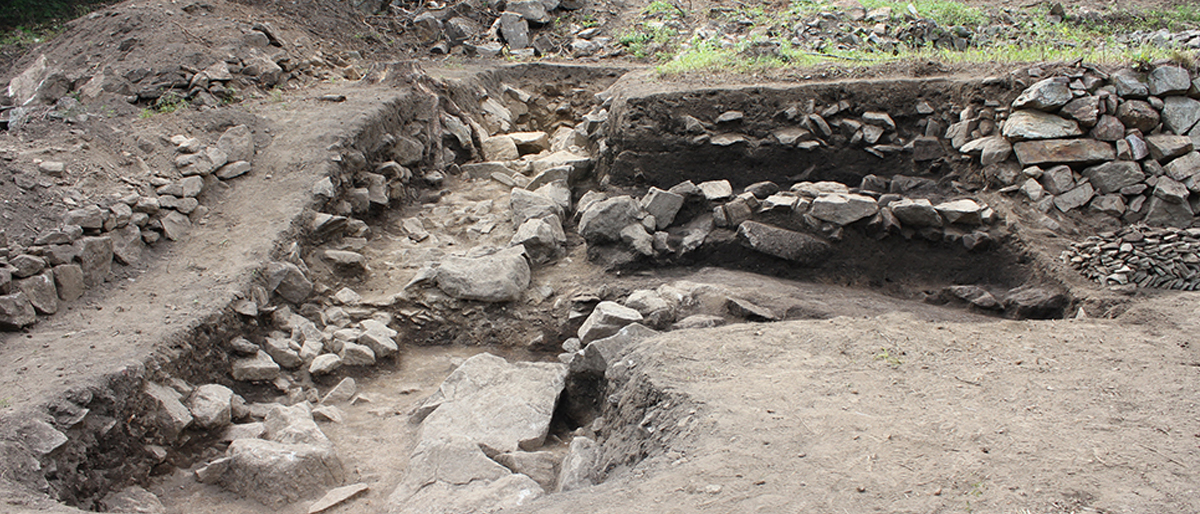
(325, 364)
(238, 143)
(1170, 190)
(1033, 190)
(551, 175)
(1085, 110)
(345, 259)
(1169, 80)
(527, 205)
(579, 466)
(540, 466)
(40, 292)
(1138, 149)
(515, 30)
(964, 211)
(500, 277)
(530, 142)
(783, 243)
(749, 311)
(916, 213)
(716, 190)
(1161, 213)
(452, 475)
(337, 496)
(1045, 95)
(68, 280)
(354, 354)
(663, 205)
(500, 405)
(243, 346)
(1075, 198)
(558, 191)
(276, 474)
(1058, 180)
(233, 170)
(1130, 84)
(1108, 128)
(90, 217)
(133, 499)
(605, 320)
(1184, 167)
(343, 392)
(378, 337)
(843, 209)
(974, 295)
(1028, 124)
(1113, 205)
(95, 258)
(604, 220)
(635, 236)
(500, 148)
(169, 416)
(281, 352)
(210, 406)
(1166, 146)
(259, 368)
(16, 312)
(1110, 177)
(288, 281)
(176, 225)
(698, 321)
(1063, 151)
(25, 265)
(127, 244)
(480, 170)
(542, 238)
(1179, 114)
(1138, 114)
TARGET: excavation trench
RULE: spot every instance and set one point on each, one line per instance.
(633, 138)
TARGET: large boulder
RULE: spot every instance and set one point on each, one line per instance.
(500, 277)
(604, 220)
(276, 474)
(497, 404)
(211, 406)
(237, 143)
(452, 475)
(527, 205)
(1112, 176)
(663, 205)
(1180, 114)
(916, 213)
(783, 243)
(1035, 302)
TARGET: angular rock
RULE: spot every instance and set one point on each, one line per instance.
(605, 320)
(288, 281)
(1022, 125)
(843, 209)
(238, 144)
(1130, 84)
(1075, 198)
(281, 352)
(749, 311)
(1184, 167)
(1170, 190)
(501, 405)
(133, 499)
(378, 337)
(1113, 205)
(95, 258)
(604, 220)
(663, 205)
(452, 475)
(1045, 95)
(916, 213)
(1108, 128)
(527, 205)
(16, 312)
(1137, 114)
(354, 354)
(127, 244)
(500, 277)
(255, 369)
(1169, 80)
(1165, 146)
(716, 190)
(542, 238)
(964, 212)
(1085, 110)
(211, 406)
(500, 148)
(1033, 302)
(169, 416)
(175, 225)
(337, 496)
(515, 30)
(974, 295)
(276, 474)
(1110, 177)
(530, 142)
(40, 291)
(1058, 180)
(343, 392)
(1063, 151)
(540, 466)
(68, 280)
(785, 244)
(579, 466)
(1180, 114)
(1033, 190)
(1161, 213)
(635, 236)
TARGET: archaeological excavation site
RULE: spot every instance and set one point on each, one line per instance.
(578, 256)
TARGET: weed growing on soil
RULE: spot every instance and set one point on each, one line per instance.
(166, 104)
(893, 359)
(5, 403)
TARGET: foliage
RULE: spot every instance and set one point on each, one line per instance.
(944, 12)
(33, 15)
(169, 102)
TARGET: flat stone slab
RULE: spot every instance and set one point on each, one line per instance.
(1063, 151)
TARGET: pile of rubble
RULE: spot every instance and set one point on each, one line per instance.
(61, 263)
(1122, 144)
(1166, 258)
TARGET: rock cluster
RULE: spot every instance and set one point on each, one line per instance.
(1166, 258)
(1121, 144)
(60, 264)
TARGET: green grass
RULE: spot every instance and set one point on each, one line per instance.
(169, 102)
(944, 12)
